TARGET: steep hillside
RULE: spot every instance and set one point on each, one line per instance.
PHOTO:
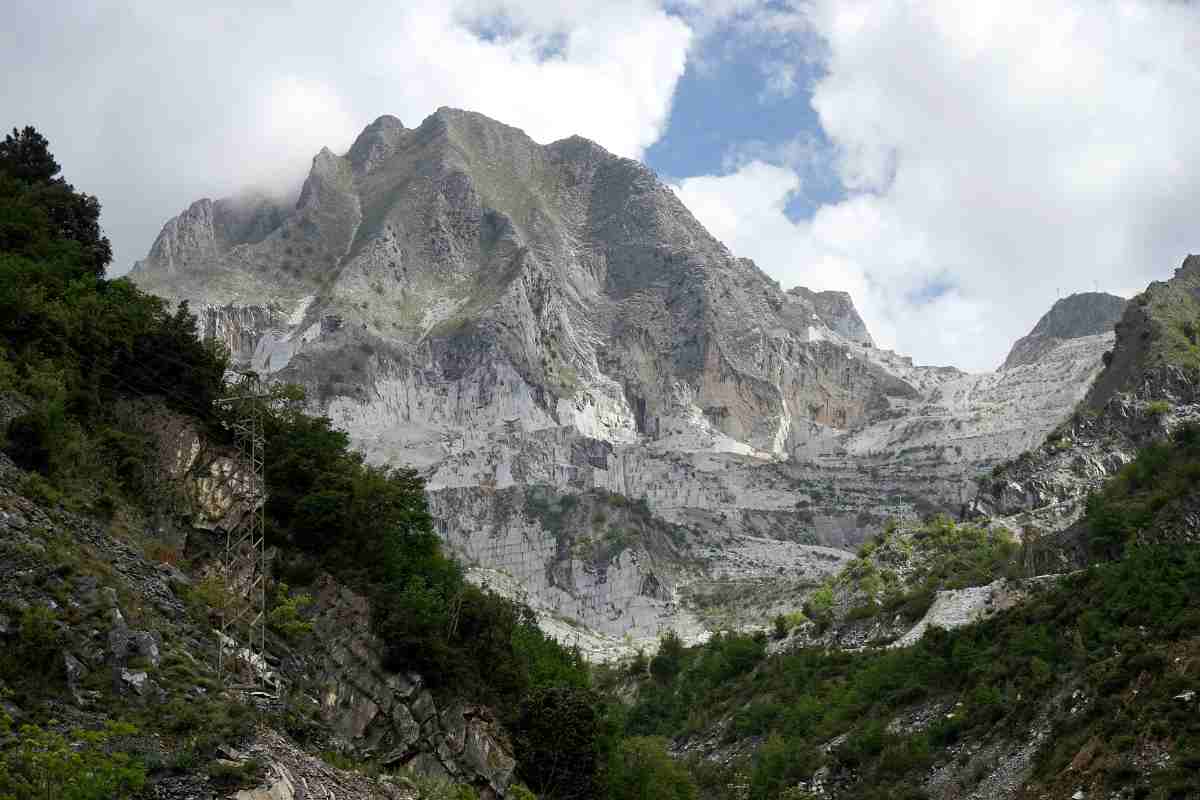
(515, 319)
(944, 662)
(1148, 388)
(149, 647)
(1049, 652)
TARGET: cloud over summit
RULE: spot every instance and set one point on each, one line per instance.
(150, 105)
(994, 155)
(955, 166)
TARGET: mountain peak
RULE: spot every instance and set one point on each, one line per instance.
(1072, 317)
(836, 309)
(528, 322)
(376, 143)
(1190, 266)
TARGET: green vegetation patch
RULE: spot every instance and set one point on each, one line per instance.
(1109, 629)
(82, 765)
(1135, 505)
(900, 571)
(74, 348)
(1174, 309)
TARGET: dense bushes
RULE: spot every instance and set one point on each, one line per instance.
(1108, 626)
(1123, 512)
(1095, 636)
(681, 693)
(72, 343)
(44, 764)
(561, 740)
(36, 653)
(641, 769)
(942, 554)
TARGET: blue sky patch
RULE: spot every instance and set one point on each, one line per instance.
(934, 287)
(746, 97)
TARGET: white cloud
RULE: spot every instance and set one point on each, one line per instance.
(996, 153)
(151, 104)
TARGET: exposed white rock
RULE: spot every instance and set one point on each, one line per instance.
(515, 318)
(958, 607)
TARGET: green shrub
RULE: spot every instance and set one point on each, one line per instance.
(559, 741)
(284, 617)
(818, 606)
(1158, 408)
(35, 658)
(668, 661)
(84, 766)
(641, 768)
(1126, 508)
(780, 764)
(40, 490)
(431, 788)
(757, 718)
(229, 775)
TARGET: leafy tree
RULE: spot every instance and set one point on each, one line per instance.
(558, 739)
(641, 769)
(285, 616)
(667, 662)
(781, 763)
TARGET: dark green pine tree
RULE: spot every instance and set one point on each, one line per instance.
(25, 155)
(30, 170)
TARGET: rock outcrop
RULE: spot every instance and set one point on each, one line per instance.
(523, 320)
(1073, 317)
(391, 718)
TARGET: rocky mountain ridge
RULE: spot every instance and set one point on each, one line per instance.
(1149, 387)
(544, 328)
(1110, 491)
(1072, 317)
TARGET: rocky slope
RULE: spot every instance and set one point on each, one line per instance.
(1083, 314)
(1150, 386)
(130, 611)
(541, 326)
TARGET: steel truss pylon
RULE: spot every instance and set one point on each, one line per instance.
(244, 563)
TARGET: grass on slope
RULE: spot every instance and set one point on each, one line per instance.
(1174, 307)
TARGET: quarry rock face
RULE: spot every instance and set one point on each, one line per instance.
(608, 405)
(1073, 317)
(1149, 388)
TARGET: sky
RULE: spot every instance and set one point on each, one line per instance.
(955, 166)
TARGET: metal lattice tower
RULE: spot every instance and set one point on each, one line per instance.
(244, 564)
